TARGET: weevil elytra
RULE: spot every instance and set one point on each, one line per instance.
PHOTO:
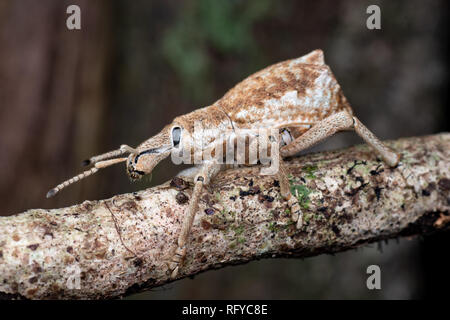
(299, 98)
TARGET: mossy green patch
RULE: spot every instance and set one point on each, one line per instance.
(306, 218)
(272, 227)
(310, 170)
(238, 230)
(302, 193)
(275, 227)
(235, 242)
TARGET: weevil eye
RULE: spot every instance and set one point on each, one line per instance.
(176, 136)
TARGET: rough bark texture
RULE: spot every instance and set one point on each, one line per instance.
(349, 198)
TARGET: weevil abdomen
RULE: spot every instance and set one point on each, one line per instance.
(302, 90)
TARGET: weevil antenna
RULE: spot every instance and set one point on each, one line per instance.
(98, 166)
(111, 154)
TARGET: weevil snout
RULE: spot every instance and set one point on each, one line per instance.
(143, 163)
(149, 154)
(138, 165)
(132, 170)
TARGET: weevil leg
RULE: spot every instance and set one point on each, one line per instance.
(207, 172)
(285, 190)
(332, 124)
(189, 173)
(390, 157)
(282, 174)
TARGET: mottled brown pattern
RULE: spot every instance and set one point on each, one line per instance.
(209, 117)
(292, 94)
(307, 75)
(273, 82)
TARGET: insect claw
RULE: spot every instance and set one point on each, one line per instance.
(174, 273)
(51, 193)
(299, 222)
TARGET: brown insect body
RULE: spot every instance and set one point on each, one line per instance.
(300, 98)
(301, 90)
(293, 94)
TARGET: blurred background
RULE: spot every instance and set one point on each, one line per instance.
(134, 65)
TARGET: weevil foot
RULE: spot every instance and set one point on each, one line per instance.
(300, 222)
(176, 261)
(174, 272)
(296, 212)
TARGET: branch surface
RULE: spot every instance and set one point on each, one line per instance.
(110, 248)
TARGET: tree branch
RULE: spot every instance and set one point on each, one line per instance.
(121, 245)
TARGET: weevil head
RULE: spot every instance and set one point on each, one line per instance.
(139, 165)
(153, 151)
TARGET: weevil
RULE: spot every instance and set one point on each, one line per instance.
(300, 98)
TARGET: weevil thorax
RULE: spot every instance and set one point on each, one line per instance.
(202, 129)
